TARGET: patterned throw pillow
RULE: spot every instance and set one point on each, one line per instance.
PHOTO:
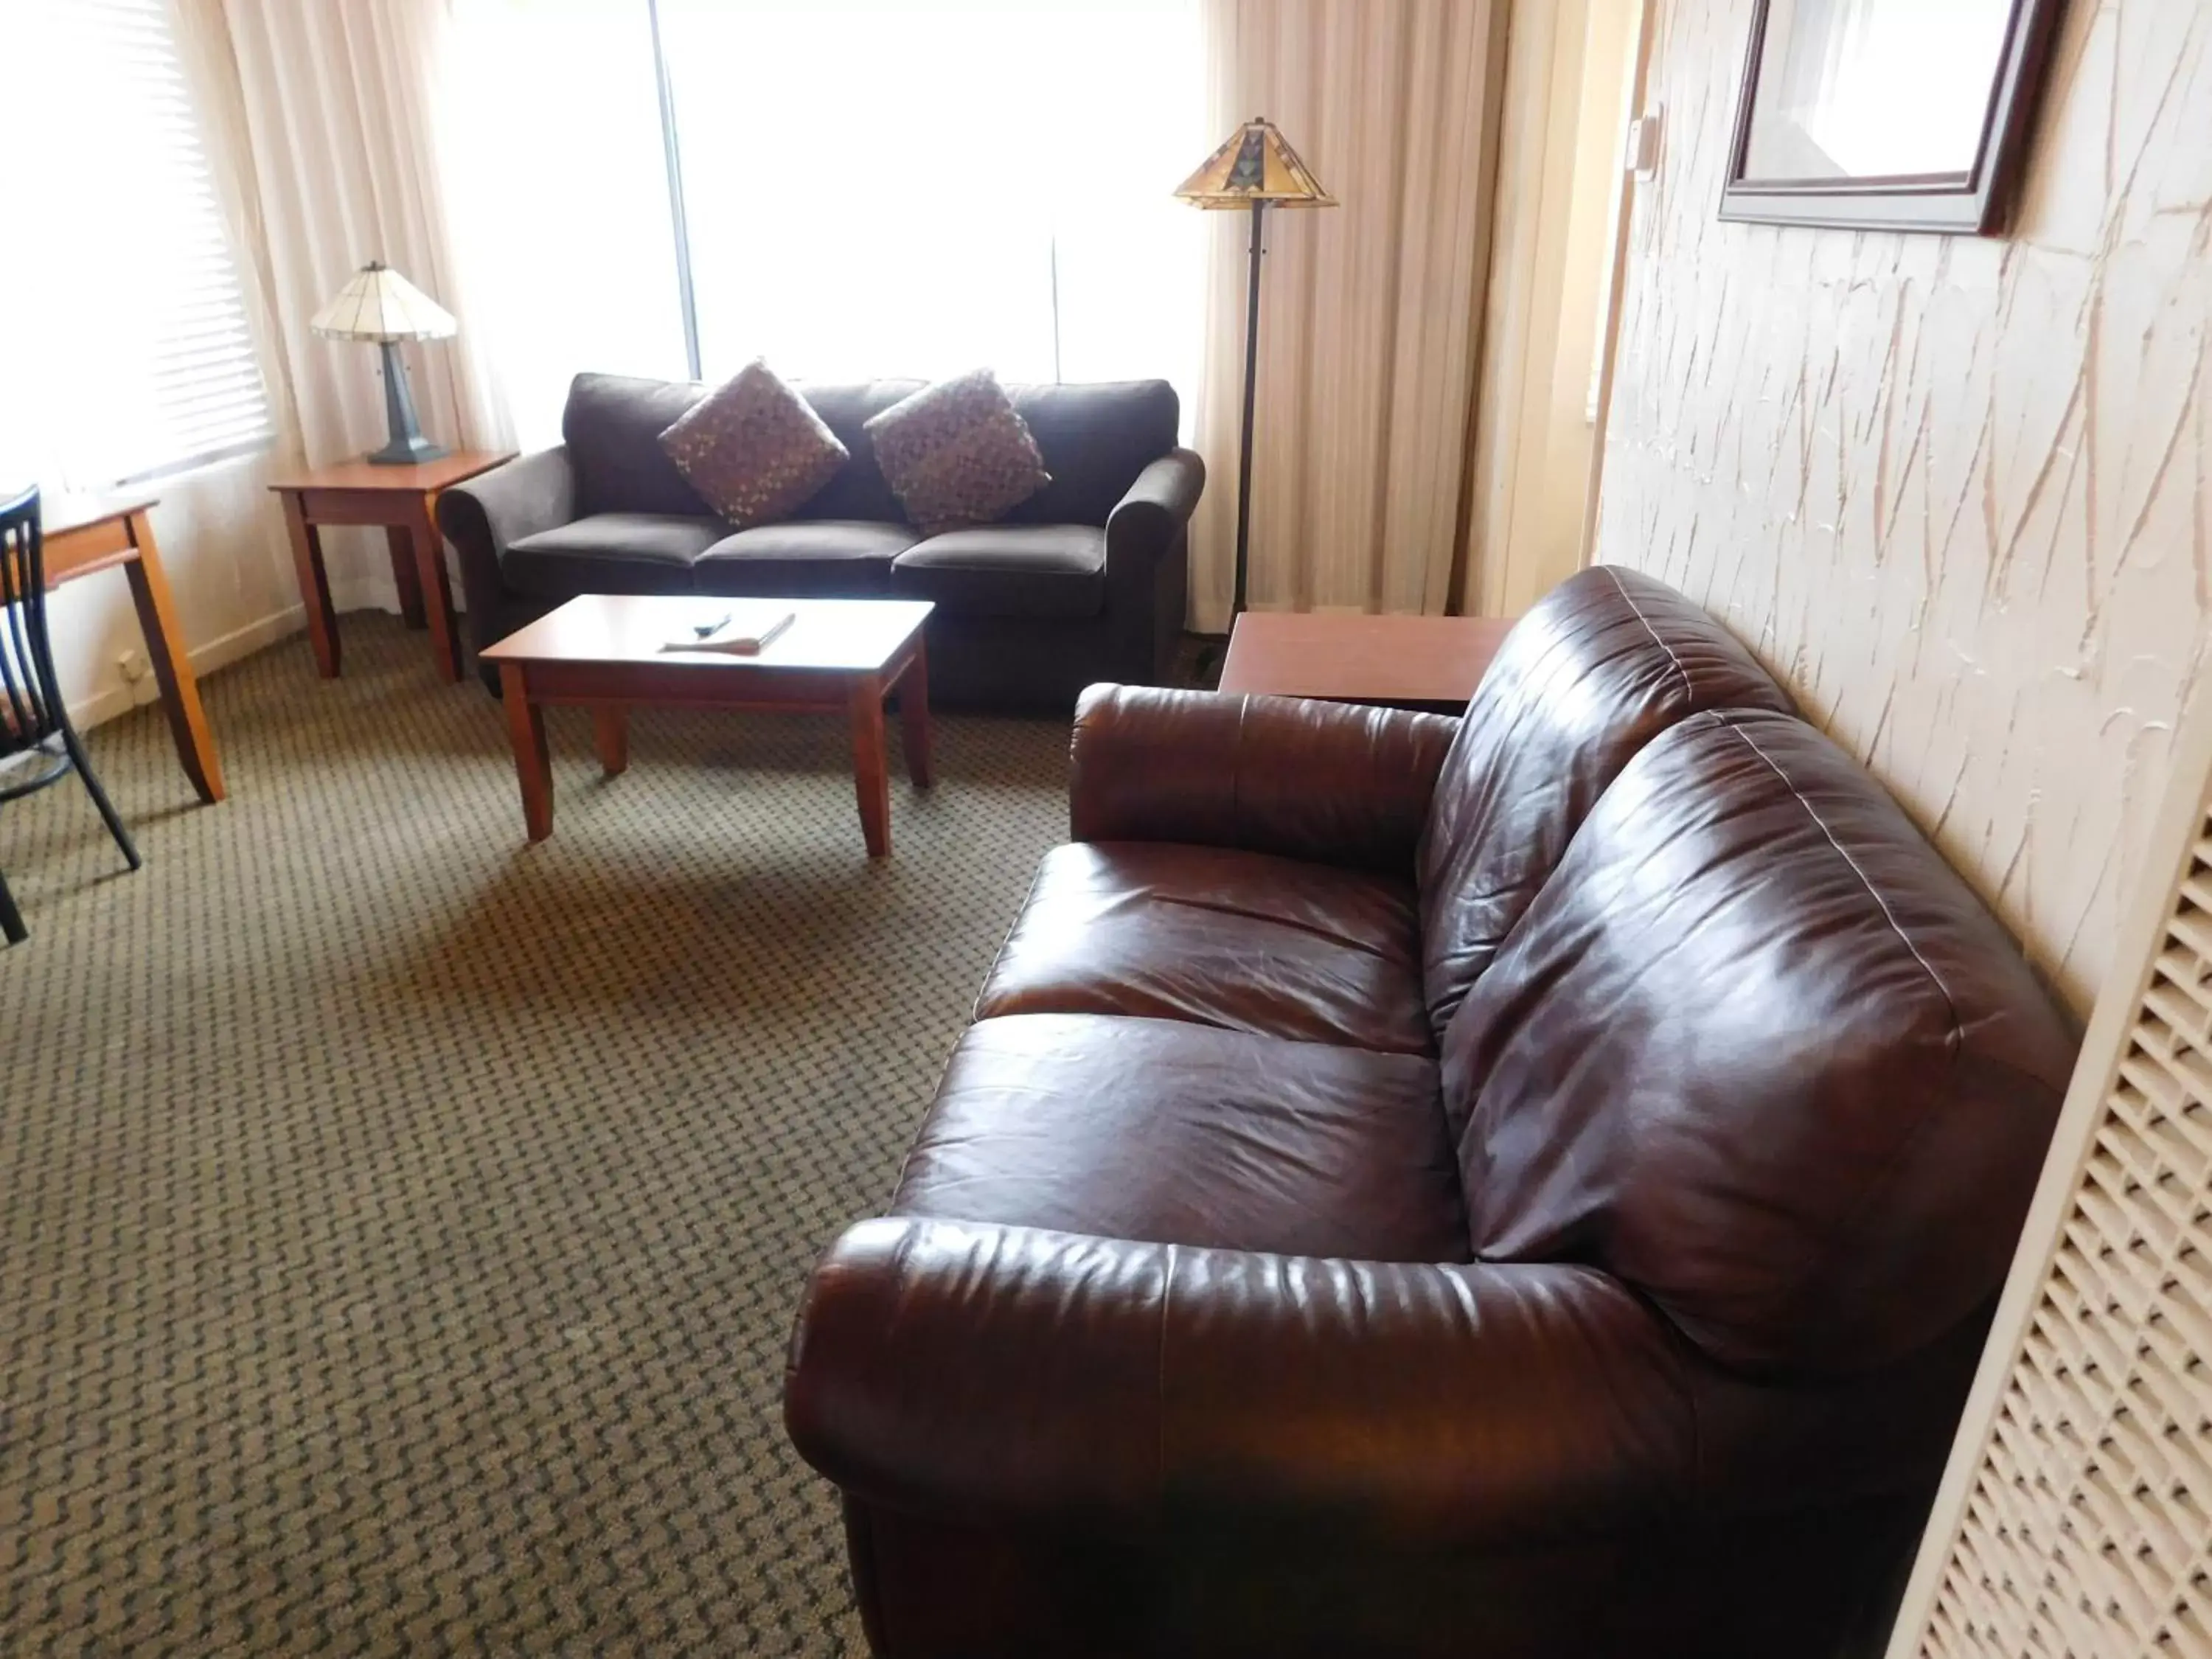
(956, 453)
(753, 448)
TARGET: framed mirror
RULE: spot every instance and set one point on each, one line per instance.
(1888, 114)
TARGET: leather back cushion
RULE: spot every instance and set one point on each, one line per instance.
(1599, 665)
(1756, 1050)
(1095, 440)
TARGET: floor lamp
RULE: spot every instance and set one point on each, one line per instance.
(1255, 169)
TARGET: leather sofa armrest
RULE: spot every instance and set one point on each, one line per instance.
(1331, 782)
(1144, 522)
(988, 1375)
(482, 516)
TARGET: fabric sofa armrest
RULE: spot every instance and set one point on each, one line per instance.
(1000, 1375)
(486, 514)
(1145, 521)
(1332, 782)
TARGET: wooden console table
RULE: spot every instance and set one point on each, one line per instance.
(404, 499)
(1431, 663)
(82, 535)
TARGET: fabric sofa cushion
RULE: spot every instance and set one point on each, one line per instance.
(1214, 936)
(1095, 438)
(611, 426)
(956, 453)
(1182, 1134)
(1596, 668)
(753, 448)
(610, 553)
(830, 557)
(1756, 1049)
(1009, 570)
(859, 490)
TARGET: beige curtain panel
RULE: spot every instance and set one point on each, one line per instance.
(1370, 313)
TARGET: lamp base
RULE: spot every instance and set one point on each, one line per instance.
(410, 450)
(407, 446)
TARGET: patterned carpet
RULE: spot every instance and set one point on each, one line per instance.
(400, 1226)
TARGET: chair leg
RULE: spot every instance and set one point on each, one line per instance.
(11, 918)
(107, 812)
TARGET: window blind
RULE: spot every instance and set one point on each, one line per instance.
(138, 358)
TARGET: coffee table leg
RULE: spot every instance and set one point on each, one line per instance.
(525, 731)
(610, 737)
(872, 766)
(914, 718)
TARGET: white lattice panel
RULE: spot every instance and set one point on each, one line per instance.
(2076, 1516)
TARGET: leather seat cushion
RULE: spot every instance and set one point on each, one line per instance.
(1175, 1133)
(829, 556)
(611, 553)
(1214, 936)
(1009, 570)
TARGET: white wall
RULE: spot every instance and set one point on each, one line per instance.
(222, 543)
(231, 576)
(1953, 490)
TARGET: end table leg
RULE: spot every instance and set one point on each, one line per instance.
(533, 767)
(314, 584)
(872, 767)
(437, 591)
(172, 668)
(400, 543)
(914, 718)
(610, 737)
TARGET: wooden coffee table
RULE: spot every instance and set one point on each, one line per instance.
(1431, 663)
(603, 651)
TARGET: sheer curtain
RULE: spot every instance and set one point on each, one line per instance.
(872, 188)
(879, 189)
(550, 132)
(1369, 330)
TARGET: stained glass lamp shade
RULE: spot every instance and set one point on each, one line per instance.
(1256, 169)
(381, 305)
(1257, 164)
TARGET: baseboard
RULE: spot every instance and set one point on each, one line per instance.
(218, 652)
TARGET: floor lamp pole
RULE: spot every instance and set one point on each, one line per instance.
(1251, 389)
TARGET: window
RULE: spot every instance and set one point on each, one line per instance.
(869, 187)
(129, 351)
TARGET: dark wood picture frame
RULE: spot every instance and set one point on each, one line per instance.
(1978, 200)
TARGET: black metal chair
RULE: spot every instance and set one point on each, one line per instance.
(31, 717)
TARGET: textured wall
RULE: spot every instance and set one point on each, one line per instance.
(1953, 490)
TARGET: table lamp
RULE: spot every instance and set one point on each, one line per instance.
(1255, 169)
(380, 305)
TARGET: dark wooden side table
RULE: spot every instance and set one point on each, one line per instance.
(1430, 663)
(405, 500)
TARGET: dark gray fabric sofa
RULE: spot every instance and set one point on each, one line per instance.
(1085, 582)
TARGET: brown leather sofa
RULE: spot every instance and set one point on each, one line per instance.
(1086, 580)
(1527, 1185)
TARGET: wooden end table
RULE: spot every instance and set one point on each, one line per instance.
(603, 651)
(405, 500)
(83, 535)
(1428, 663)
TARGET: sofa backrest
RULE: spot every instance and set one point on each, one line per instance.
(612, 426)
(1095, 440)
(1757, 1050)
(1597, 668)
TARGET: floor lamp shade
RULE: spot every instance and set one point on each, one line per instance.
(1255, 169)
(381, 305)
